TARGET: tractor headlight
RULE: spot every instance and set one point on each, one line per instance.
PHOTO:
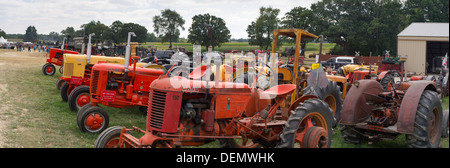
(356, 84)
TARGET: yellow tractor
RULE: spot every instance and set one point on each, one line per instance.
(298, 74)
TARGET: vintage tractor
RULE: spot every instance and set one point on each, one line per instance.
(412, 108)
(185, 112)
(77, 71)
(293, 73)
(286, 74)
(55, 58)
(113, 85)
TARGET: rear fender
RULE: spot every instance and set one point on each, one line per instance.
(355, 109)
(407, 113)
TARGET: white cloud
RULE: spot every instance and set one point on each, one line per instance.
(56, 15)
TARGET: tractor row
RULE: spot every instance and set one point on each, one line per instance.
(246, 104)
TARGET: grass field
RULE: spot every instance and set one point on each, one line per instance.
(32, 114)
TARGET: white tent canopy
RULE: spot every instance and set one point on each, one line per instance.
(3, 40)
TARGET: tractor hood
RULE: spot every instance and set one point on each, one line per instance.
(118, 68)
(181, 84)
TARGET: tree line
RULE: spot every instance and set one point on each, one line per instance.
(366, 26)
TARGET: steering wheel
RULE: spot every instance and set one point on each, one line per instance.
(262, 83)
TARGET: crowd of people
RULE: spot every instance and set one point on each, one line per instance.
(32, 47)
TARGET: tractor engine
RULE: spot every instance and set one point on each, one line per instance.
(167, 110)
(385, 108)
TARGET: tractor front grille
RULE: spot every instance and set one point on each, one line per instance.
(157, 105)
(68, 70)
(94, 82)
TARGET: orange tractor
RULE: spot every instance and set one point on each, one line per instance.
(55, 58)
(186, 112)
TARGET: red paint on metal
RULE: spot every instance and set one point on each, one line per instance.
(108, 95)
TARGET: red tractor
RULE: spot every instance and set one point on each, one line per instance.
(411, 108)
(55, 58)
(112, 85)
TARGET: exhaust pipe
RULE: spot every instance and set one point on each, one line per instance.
(64, 40)
(89, 49)
(128, 51)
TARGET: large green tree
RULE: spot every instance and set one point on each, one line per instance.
(30, 35)
(198, 32)
(260, 32)
(359, 25)
(427, 10)
(140, 31)
(2, 33)
(300, 18)
(69, 31)
(101, 31)
(167, 25)
(115, 31)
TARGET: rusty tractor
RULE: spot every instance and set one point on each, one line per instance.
(411, 108)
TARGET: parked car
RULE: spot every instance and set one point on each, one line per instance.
(337, 62)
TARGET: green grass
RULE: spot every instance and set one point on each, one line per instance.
(43, 120)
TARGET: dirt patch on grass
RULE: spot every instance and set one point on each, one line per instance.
(12, 66)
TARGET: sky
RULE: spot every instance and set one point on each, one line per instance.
(56, 15)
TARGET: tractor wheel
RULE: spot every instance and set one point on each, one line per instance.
(59, 83)
(93, 119)
(308, 125)
(65, 91)
(445, 125)
(48, 69)
(331, 95)
(110, 138)
(79, 97)
(427, 124)
(82, 109)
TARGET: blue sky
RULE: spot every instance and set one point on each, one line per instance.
(56, 15)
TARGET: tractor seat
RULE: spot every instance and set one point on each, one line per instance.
(198, 73)
(280, 90)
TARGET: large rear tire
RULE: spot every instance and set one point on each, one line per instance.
(308, 115)
(427, 124)
(331, 95)
(445, 130)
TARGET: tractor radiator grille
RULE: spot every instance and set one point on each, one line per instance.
(156, 109)
(68, 69)
(94, 82)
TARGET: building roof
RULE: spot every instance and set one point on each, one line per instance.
(426, 30)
